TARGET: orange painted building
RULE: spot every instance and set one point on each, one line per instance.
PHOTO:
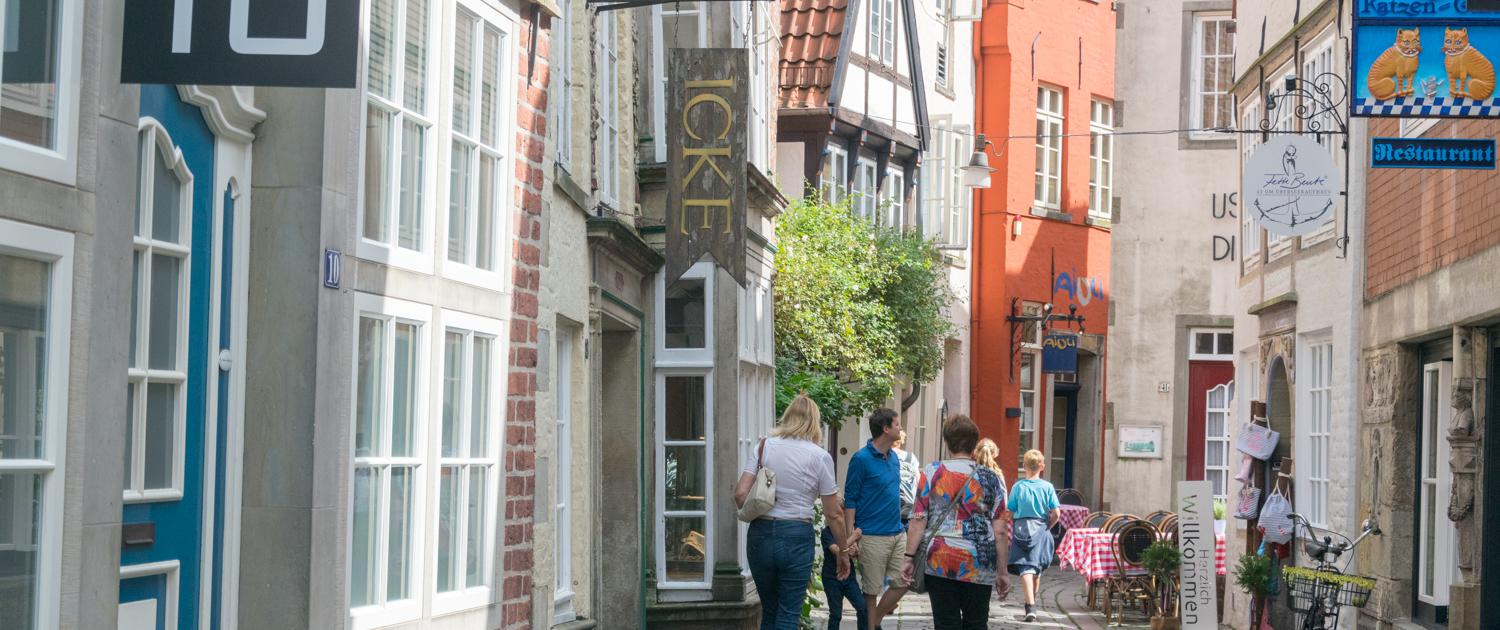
(1046, 74)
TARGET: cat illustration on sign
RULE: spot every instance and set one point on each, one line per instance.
(1394, 70)
(1470, 74)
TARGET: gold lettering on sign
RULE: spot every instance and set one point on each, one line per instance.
(706, 156)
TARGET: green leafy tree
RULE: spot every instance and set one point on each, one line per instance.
(857, 306)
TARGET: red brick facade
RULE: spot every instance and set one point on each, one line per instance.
(1420, 221)
(520, 429)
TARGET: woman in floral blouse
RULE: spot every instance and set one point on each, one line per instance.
(963, 561)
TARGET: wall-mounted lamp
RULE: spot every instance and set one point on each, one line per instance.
(1015, 227)
(976, 174)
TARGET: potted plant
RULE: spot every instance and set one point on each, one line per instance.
(1161, 561)
(1253, 575)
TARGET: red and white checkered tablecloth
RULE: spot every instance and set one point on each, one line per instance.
(1072, 516)
(1088, 551)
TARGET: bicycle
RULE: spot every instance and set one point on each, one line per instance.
(1319, 594)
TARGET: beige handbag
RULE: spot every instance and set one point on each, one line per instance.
(762, 495)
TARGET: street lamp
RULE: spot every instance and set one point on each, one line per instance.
(976, 174)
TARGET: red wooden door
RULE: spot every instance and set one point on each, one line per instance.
(1202, 377)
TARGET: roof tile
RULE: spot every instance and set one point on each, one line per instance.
(810, 34)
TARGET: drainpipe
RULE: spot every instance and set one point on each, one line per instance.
(646, 512)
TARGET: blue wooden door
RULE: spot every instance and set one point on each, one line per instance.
(168, 549)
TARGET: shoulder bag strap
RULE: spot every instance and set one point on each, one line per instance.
(760, 455)
(932, 526)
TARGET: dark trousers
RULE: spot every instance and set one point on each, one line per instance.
(959, 605)
(781, 558)
(838, 591)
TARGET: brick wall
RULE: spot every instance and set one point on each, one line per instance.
(520, 423)
(1422, 220)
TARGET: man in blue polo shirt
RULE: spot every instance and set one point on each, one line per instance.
(872, 503)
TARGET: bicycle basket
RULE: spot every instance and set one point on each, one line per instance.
(1305, 586)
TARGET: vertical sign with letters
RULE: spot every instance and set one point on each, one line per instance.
(1198, 571)
(707, 112)
(292, 43)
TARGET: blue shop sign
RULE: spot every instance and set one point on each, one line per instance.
(1425, 58)
(1060, 353)
(1432, 153)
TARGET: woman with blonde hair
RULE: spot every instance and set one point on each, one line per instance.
(987, 453)
(780, 544)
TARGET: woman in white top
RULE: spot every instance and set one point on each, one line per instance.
(780, 544)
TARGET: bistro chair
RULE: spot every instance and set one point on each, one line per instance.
(1117, 521)
(1069, 496)
(1096, 519)
(1130, 584)
(1157, 517)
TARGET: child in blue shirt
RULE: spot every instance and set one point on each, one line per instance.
(1033, 506)
(839, 590)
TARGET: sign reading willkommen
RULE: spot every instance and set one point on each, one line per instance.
(707, 106)
(1197, 568)
(1290, 185)
(293, 43)
(1425, 58)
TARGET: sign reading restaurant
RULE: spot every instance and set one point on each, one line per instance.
(1425, 58)
(707, 105)
(1433, 153)
(291, 43)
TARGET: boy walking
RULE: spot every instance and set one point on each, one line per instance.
(840, 590)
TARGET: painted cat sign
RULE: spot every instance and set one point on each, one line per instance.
(1426, 58)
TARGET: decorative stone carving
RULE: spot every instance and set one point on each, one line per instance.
(1278, 345)
(1465, 432)
(1380, 390)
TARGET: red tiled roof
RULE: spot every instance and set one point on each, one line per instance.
(810, 34)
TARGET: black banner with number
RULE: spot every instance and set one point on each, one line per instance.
(708, 103)
(291, 43)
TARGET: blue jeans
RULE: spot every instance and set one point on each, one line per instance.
(840, 590)
(781, 559)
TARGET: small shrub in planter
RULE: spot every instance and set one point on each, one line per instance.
(1161, 560)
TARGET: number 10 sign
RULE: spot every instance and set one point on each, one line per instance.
(292, 43)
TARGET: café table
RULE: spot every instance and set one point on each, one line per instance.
(1090, 552)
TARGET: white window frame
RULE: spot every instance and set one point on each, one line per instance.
(675, 362)
(1032, 361)
(55, 248)
(891, 211)
(1220, 443)
(562, 486)
(1315, 428)
(1053, 123)
(154, 137)
(607, 63)
(756, 379)
(1417, 127)
(933, 183)
(1198, 119)
(391, 253)
(561, 98)
(835, 169)
(496, 330)
(390, 310)
(866, 189)
(1032, 309)
(59, 163)
(1434, 480)
(1223, 348)
(1101, 158)
(1250, 230)
(502, 151)
(1319, 58)
(959, 196)
(1279, 246)
(763, 60)
(882, 25)
(659, 62)
(943, 72)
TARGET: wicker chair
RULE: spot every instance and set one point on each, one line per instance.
(1117, 521)
(1130, 586)
(1156, 517)
(1069, 496)
(1096, 519)
(1168, 527)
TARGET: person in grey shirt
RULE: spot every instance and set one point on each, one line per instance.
(911, 468)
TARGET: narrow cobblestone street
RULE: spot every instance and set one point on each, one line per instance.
(1062, 606)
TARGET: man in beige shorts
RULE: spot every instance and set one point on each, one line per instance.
(872, 503)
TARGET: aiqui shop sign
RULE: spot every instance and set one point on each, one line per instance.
(1290, 185)
(1425, 58)
(288, 43)
(707, 200)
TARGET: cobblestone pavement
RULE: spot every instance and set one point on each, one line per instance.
(1062, 606)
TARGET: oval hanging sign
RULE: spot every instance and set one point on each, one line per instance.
(1290, 185)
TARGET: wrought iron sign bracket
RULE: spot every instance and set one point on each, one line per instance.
(1018, 324)
(1321, 104)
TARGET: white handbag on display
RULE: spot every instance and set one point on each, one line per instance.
(1275, 518)
(762, 496)
(1257, 440)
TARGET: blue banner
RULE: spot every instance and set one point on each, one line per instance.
(1060, 353)
(1432, 153)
